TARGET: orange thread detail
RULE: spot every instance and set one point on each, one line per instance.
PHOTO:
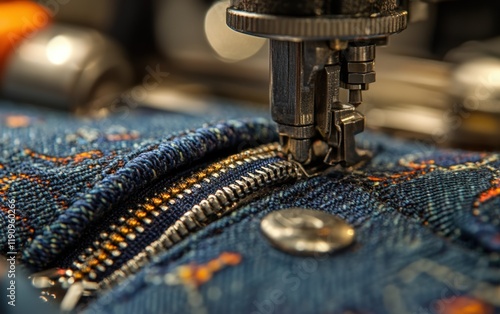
(196, 275)
(376, 179)
(487, 195)
(464, 305)
(5, 185)
(157, 201)
(203, 274)
(132, 222)
(165, 196)
(125, 230)
(17, 121)
(214, 265)
(421, 168)
(230, 258)
(185, 272)
(109, 247)
(85, 270)
(78, 158)
(93, 262)
(122, 137)
(116, 238)
(77, 275)
(102, 256)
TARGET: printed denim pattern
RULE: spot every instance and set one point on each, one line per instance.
(141, 219)
(72, 175)
(427, 242)
(427, 220)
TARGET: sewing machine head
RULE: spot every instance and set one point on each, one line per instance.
(322, 56)
(316, 48)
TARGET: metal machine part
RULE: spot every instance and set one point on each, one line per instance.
(67, 67)
(316, 48)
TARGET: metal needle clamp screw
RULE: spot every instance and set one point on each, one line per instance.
(306, 232)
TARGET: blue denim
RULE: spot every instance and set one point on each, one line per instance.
(78, 169)
(426, 219)
(420, 246)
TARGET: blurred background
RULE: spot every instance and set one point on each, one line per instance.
(438, 81)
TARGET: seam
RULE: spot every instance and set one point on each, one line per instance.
(135, 174)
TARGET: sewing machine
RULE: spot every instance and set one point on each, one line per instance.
(316, 49)
(427, 74)
(322, 57)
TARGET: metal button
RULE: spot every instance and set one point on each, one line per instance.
(306, 232)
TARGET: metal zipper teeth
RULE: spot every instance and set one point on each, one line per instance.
(99, 256)
(208, 210)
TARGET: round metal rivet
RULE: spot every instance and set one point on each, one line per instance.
(306, 232)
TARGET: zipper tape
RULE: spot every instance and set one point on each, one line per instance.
(137, 172)
(233, 182)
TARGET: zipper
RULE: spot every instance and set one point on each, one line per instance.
(84, 277)
(224, 201)
(111, 244)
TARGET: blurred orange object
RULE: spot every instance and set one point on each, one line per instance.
(18, 20)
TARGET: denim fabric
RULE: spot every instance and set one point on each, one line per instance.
(427, 220)
(160, 223)
(427, 242)
(70, 176)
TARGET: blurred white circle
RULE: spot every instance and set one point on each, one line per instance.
(59, 50)
(230, 45)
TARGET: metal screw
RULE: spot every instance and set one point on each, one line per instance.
(306, 232)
